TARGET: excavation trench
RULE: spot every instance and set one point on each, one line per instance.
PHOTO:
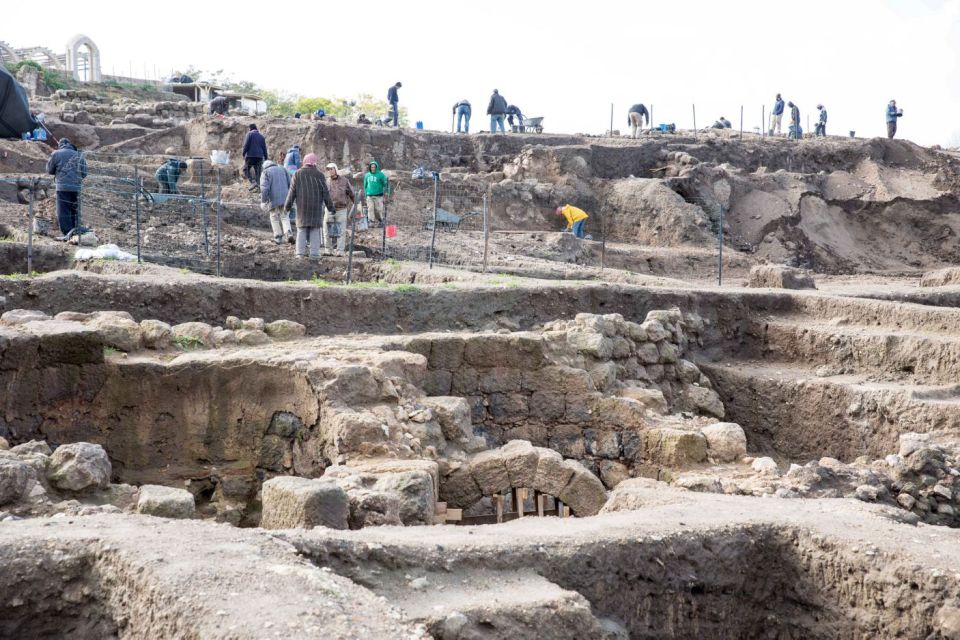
(758, 581)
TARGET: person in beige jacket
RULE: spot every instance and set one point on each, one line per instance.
(341, 192)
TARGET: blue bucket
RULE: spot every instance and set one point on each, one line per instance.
(419, 124)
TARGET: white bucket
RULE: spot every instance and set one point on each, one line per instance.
(220, 157)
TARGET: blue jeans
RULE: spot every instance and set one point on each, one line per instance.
(395, 107)
(578, 228)
(463, 115)
(495, 120)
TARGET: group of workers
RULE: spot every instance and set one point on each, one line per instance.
(497, 109)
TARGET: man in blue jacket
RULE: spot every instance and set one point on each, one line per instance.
(254, 153)
(635, 118)
(892, 114)
(70, 169)
(776, 116)
(394, 99)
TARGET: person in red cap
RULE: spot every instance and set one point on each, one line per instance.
(575, 218)
(309, 192)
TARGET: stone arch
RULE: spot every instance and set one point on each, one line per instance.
(73, 50)
(7, 55)
(520, 465)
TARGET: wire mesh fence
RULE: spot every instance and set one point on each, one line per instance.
(427, 219)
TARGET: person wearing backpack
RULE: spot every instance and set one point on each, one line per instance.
(274, 185)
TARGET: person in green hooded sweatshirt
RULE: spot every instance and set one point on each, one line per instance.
(376, 187)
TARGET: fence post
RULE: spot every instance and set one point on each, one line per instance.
(353, 233)
(694, 123)
(33, 187)
(136, 200)
(603, 238)
(383, 242)
(611, 119)
(763, 121)
(219, 271)
(436, 203)
(741, 122)
(720, 254)
(486, 233)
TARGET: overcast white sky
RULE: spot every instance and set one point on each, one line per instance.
(566, 62)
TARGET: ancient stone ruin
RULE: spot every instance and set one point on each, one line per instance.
(534, 437)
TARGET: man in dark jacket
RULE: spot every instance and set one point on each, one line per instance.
(514, 111)
(496, 109)
(394, 99)
(70, 169)
(168, 175)
(309, 192)
(219, 105)
(776, 115)
(635, 118)
(254, 153)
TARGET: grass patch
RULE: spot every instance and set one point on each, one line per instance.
(7, 239)
(110, 351)
(15, 277)
(188, 343)
(393, 263)
(407, 288)
(320, 282)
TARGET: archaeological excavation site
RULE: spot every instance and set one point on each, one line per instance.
(732, 410)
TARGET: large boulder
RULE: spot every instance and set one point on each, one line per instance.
(370, 508)
(22, 316)
(676, 447)
(415, 492)
(15, 480)
(292, 502)
(34, 446)
(165, 502)
(284, 330)
(584, 492)
(156, 334)
(79, 466)
(117, 332)
(726, 441)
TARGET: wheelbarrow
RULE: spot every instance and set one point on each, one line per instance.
(448, 221)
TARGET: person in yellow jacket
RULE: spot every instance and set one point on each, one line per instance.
(575, 218)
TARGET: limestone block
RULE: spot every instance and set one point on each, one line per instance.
(779, 277)
(553, 472)
(165, 502)
(252, 337)
(285, 330)
(675, 447)
(415, 493)
(521, 459)
(22, 316)
(446, 353)
(547, 406)
(489, 470)
(290, 501)
(594, 345)
(34, 446)
(79, 466)
(459, 489)
(16, 477)
(616, 411)
(453, 414)
(648, 353)
(668, 352)
(371, 508)
(612, 473)
(499, 380)
(508, 407)
(726, 441)
(701, 400)
(119, 333)
(156, 335)
(584, 492)
(656, 331)
(197, 332)
(64, 342)
(651, 399)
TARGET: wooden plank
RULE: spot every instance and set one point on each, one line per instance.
(560, 507)
(520, 497)
(566, 512)
(439, 508)
(453, 515)
(540, 498)
(498, 505)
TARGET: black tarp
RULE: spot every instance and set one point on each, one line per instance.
(15, 118)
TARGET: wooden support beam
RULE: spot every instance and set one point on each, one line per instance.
(540, 498)
(498, 506)
(453, 515)
(520, 497)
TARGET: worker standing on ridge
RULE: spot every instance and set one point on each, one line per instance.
(341, 192)
(514, 111)
(635, 118)
(575, 219)
(892, 114)
(496, 109)
(462, 110)
(821, 128)
(375, 188)
(254, 153)
(394, 99)
(796, 132)
(776, 116)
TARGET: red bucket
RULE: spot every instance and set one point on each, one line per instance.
(391, 231)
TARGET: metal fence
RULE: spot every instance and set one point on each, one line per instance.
(428, 219)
